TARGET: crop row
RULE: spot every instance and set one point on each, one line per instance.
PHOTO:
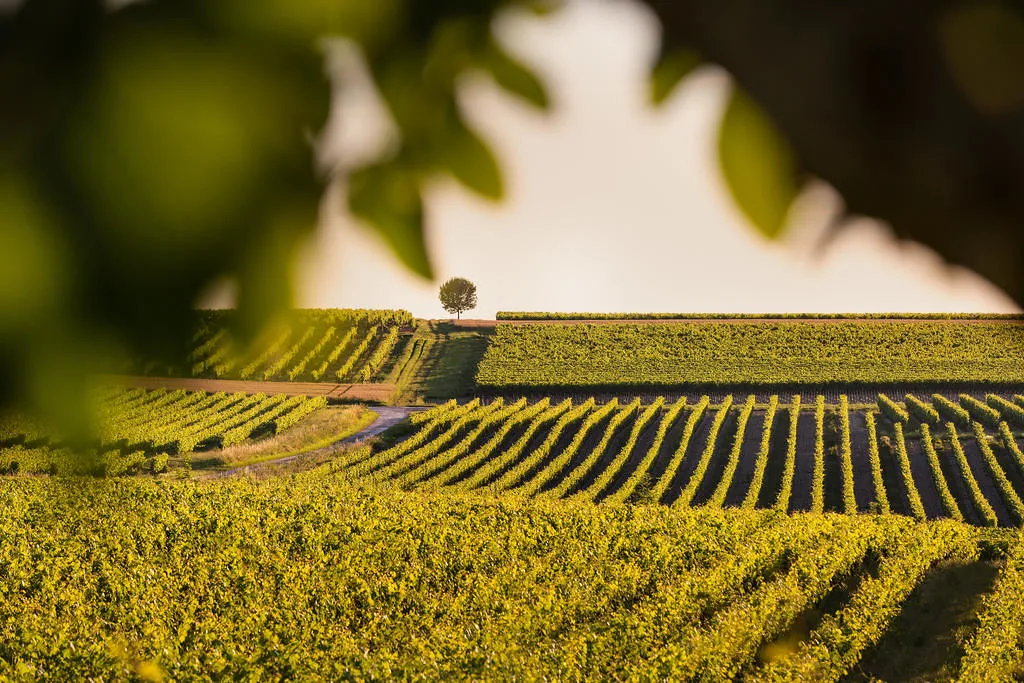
(339, 345)
(322, 579)
(674, 355)
(138, 429)
(701, 455)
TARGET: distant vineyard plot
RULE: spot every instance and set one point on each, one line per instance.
(840, 352)
(138, 429)
(925, 457)
(329, 345)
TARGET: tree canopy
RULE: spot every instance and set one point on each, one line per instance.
(458, 295)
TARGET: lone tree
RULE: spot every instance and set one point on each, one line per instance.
(458, 295)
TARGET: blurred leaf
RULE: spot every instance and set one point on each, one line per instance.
(759, 167)
(983, 44)
(514, 77)
(470, 160)
(672, 67)
(388, 198)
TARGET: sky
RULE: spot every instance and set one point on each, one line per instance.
(612, 205)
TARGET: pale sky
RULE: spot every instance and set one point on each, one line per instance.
(612, 205)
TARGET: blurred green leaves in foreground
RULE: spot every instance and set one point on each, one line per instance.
(149, 151)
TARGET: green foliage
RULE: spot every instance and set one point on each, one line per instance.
(906, 476)
(690, 490)
(980, 411)
(995, 651)
(1007, 409)
(951, 411)
(763, 353)
(1010, 497)
(948, 501)
(761, 464)
(304, 345)
(759, 167)
(343, 576)
(818, 474)
(138, 429)
(846, 455)
(722, 489)
(985, 511)
(881, 498)
(458, 295)
(923, 412)
(789, 466)
(892, 410)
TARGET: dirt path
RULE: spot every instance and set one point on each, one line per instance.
(748, 459)
(801, 496)
(387, 417)
(372, 393)
(924, 481)
(863, 484)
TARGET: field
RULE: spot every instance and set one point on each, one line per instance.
(309, 576)
(311, 345)
(666, 355)
(800, 456)
(601, 503)
(138, 430)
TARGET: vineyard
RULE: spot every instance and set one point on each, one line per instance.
(666, 355)
(309, 577)
(602, 504)
(924, 457)
(333, 345)
(139, 430)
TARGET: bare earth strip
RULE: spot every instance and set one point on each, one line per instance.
(863, 488)
(378, 393)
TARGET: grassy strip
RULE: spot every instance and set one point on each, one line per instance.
(789, 467)
(365, 420)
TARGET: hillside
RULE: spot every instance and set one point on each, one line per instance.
(578, 501)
